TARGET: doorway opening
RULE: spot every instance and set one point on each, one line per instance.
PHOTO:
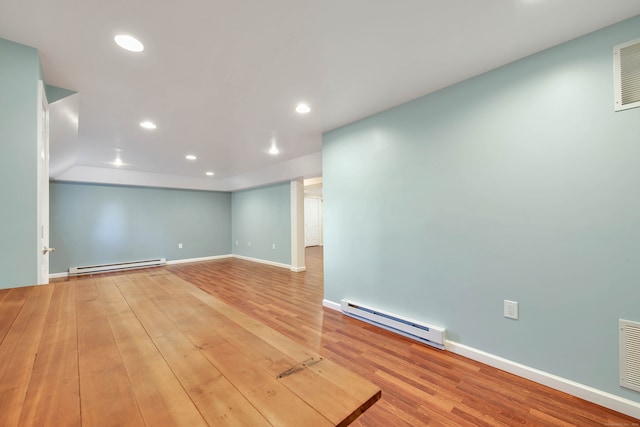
(313, 233)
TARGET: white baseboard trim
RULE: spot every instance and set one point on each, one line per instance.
(58, 275)
(205, 258)
(599, 397)
(263, 261)
(174, 261)
(210, 258)
(332, 305)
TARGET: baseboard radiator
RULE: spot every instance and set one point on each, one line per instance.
(431, 335)
(104, 268)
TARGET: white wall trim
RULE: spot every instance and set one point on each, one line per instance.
(297, 225)
(170, 262)
(58, 275)
(210, 258)
(206, 258)
(599, 397)
(332, 305)
(263, 261)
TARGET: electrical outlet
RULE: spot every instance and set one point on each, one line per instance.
(179, 245)
(249, 244)
(511, 309)
(274, 246)
(236, 243)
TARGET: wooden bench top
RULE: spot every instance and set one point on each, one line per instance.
(148, 348)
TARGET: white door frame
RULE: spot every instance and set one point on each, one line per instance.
(297, 226)
(42, 203)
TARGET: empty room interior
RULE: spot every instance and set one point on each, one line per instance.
(371, 213)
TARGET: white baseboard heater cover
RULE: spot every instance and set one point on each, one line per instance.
(427, 334)
(90, 269)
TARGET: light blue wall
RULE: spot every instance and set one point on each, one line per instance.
(55, 93)
(518, 184)
(262, 216)
(19, 75)
(95, 224)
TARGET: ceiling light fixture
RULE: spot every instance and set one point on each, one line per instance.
(303, 108)
(118, 161)
(190, 157)
(129, 43)
(210, 173)
(274, 149)
(148, 125)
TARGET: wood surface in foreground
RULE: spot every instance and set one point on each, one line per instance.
(148, 348)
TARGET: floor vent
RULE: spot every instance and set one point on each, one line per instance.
(431, 335)
(630, 355)
(626, 66)
(93, 269)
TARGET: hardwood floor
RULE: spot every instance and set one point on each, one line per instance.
(420, 385)
(44, 329)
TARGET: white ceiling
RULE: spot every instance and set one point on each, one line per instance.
(221, 78)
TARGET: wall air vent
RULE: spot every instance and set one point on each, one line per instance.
(630, 354)
(626, 75)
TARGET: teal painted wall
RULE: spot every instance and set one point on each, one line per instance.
(55, 93)
(96, 224)
(518, 184)
(19, 75)
(262, 216)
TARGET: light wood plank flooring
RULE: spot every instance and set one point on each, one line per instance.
(148, 348)
(420, 385)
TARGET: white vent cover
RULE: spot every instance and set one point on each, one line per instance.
(626, 75)
(630, 354)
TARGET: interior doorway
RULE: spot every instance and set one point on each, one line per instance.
(313, 233)
(42, 207)
(312, 221)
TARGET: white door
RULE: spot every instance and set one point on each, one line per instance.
(311, 222)
(43, 186)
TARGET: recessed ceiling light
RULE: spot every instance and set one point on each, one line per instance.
(210, 174)
(273, 150)
(148, 125)
(303, 108)
(190, 157)
(129, 43)
(118, 161)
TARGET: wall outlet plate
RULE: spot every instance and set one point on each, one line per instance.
(511, 309)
